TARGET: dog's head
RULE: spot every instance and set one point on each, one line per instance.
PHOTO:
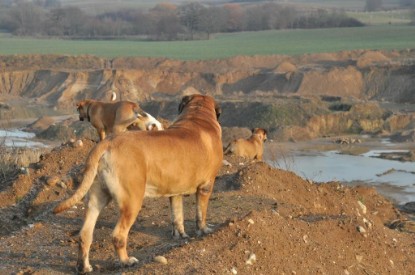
(82, 108)
(197, 100)
(262, 133)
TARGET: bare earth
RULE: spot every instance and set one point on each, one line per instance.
(266, 221)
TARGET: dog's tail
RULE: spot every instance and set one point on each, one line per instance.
(90, 172)
(113, 96)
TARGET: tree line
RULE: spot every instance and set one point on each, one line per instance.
(164, 21)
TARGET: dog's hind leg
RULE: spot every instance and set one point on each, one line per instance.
(98, 199)
(202, 200)
(128, 213)
(176, 207)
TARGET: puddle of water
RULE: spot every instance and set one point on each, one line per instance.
(18, 138)
(332, 166)
(377, 153)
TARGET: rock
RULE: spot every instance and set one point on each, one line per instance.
(251, 259)
(368, 223)
(78, 143)
(25, 170)
(62, 185)
(361, 229)
(362, 206)
(403, 225)
(160, 259)
(409, 207)
(52, 180)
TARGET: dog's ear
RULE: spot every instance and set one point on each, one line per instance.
(265, 131)
(253, 130)
(185, 100)
(80, 104)
(218, 110)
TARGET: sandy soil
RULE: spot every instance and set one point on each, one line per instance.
(265, 220)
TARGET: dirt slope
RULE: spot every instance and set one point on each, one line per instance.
(60, 81)
(266, 221)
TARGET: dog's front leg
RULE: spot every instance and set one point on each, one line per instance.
(101, 134)
(176, 207)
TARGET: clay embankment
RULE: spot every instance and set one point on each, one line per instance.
(329, 92)
(59, 80)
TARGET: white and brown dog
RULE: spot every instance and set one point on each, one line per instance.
(183, 159)
(114, 117)
(252, 148)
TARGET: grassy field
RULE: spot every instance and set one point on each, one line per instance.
(356, 5)
(382, 17)
(289, 42)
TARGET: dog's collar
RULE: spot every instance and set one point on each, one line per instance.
(87, 113)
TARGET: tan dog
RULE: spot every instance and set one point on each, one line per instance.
(251, 148)
(109, 117)
(183, 159)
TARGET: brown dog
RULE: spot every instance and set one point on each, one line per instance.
(251, 148)
(113, 117)
(183, 159)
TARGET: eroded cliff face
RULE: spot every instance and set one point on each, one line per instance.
(59, 81)
(298, 97)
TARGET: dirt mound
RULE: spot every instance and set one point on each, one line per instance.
(266, 221)
(285, 67)
(371, 57)
(68, 129)
(40, 124)
(404, 136)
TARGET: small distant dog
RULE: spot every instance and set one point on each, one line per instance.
(251, 148)
(114, 117)
(183, 159)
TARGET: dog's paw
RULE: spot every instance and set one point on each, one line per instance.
(204, 231)
(131, 261)
(177, 235)
(81, 269)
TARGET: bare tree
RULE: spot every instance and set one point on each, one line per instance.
(190, 15)
(212, 20)
(165, 21)
(26, 19)
(66, 21)
(234, 17)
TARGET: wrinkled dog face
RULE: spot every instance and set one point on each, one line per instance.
(186, 99)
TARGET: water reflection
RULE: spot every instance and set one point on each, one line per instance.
(18, 138)
(394, 179)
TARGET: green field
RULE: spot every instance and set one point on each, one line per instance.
(350, 5)
(382, 17)
(290, 42)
